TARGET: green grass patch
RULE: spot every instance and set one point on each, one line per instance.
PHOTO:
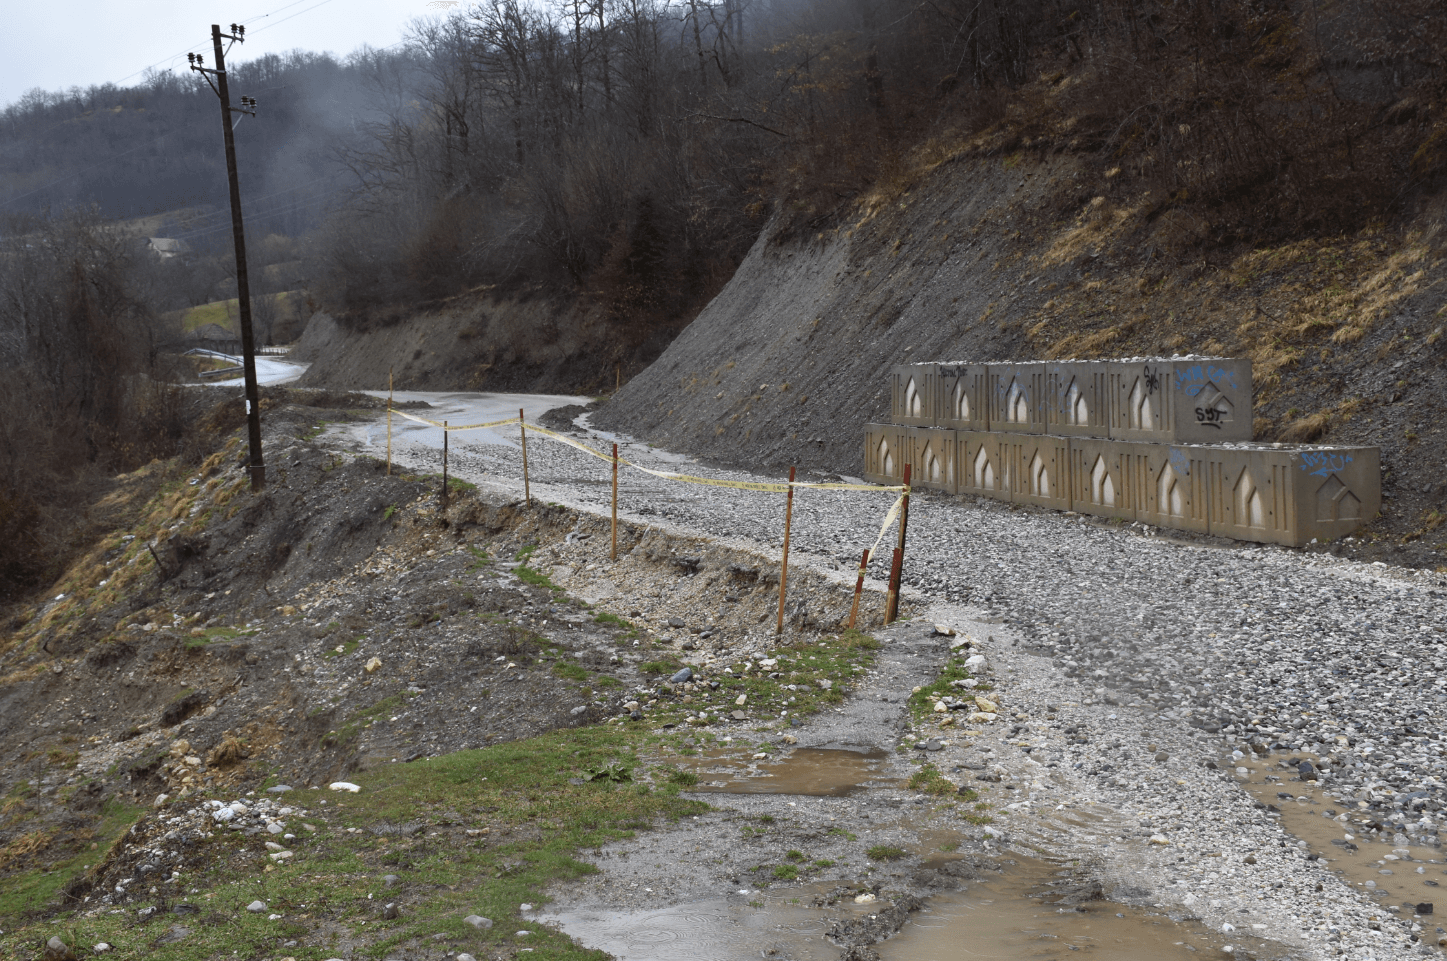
(345, 648)
(786, 872)
(538, 825)
(29, 891)
(922, 704)
(362, 719)
(480, 559)
(667, 665)
(883, 852)
(929, 780)
(603, 617)
(682, 778)
(570, 671)
(795, 856)
(535, 578)
(846, 835)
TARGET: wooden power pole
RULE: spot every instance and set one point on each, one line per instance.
(243, 290)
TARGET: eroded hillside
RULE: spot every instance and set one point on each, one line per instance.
(985, 253)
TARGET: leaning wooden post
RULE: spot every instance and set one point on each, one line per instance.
(389, 422)
(858, 588)
(891, 603)
(784, 565)
(523, 427)
(444, 465)
(613, 554)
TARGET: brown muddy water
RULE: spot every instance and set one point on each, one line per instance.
(812, 771)
(1013, 914)
(1400, 878)
(1016, 914)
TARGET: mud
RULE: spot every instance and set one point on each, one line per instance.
(812, 771)
(1023, 908)
(1400, 877)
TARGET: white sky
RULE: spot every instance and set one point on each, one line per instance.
(87, 42)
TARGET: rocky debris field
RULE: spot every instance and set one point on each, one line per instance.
(1143, 647)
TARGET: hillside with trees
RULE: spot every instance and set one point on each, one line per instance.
(585, 176)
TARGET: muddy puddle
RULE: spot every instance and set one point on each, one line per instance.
(813, 771)
(1400, 877)
(1034, 910)
(1031, 909)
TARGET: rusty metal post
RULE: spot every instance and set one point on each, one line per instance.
(523, 428)
(613, 555)
(444, 465)
(784, 564)
(858, 588)
(891, 602)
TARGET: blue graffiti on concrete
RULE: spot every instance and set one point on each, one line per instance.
(1180, 461)
(1323, 463)
(1192, 379)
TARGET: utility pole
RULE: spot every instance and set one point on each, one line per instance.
(243, 291)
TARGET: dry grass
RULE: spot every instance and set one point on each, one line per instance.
(25, 848)
(1312, 427)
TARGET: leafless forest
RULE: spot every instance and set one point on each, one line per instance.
(628, 153)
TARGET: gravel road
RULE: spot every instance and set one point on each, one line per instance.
(1121, 636)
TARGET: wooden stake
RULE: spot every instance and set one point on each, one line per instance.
(613, 555)
(784, 564)
(858, 588)
(896, 570)
(444, 465)
(389, 422)
(617, 377)
(523, 427)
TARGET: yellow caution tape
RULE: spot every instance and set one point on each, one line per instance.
(888, 520)
(438, 423)
(767, 486)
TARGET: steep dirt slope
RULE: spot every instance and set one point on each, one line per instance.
(985, 256)
(477, 341)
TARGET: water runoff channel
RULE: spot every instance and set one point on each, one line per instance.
(1018, 902)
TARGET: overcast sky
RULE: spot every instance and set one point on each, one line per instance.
(85, 42)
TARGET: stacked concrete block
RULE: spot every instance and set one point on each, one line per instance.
(1173, 481)
(1078, 399)
(936, 463)
(912, 395)
(1196, 401)
(962, 396)
(1161, 441)
(1100, 478)
(1037, 469)
(1017, 398)
(984, 465)
(887, 448)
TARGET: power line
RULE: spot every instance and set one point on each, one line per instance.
(256, 215)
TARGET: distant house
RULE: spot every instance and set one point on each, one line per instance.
(166, 247)
(215, 337)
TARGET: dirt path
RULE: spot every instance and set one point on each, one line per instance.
(1124, 794)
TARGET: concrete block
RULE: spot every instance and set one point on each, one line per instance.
(1337, 490)
(935, 460)
(1172, 482)
(1018, 398)
(984, 464)
(887, 448)
(1078, 399)
(912, 395)
(1103, 477)
(1180, 401)
(1038, 468)
(1290, 494)
(962, 396)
